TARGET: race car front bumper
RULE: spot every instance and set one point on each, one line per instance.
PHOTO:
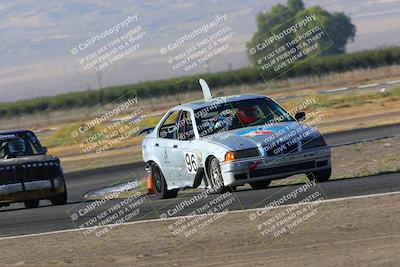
(23, 191)
(254, 169)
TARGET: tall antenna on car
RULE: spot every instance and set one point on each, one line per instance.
(177, 98)
(206, 90)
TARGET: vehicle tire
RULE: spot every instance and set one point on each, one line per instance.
(60, 199)
(231, 188)
(260, 184)
(215, 176)
(320, 176)
(160, 185)
(31, 204)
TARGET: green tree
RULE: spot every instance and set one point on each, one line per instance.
(337, 25)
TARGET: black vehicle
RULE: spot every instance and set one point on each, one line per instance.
(27, 174)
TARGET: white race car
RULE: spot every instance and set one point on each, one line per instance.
(221, 143)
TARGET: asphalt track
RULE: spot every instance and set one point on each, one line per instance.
(15, 220)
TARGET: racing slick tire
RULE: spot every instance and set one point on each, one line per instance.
(260, 184)
(320, 176)
(215, 178)
(160, 185)
(31, 204)
(60, 199)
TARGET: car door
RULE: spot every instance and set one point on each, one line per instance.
(163, 146)
(185, 150)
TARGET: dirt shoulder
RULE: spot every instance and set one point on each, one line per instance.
(357, 232)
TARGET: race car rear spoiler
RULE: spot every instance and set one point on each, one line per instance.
(145, 131)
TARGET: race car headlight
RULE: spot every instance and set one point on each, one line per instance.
(229, 156)
(241, 154)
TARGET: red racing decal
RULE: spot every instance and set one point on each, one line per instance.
(261, 132)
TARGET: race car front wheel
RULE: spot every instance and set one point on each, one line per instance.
(320, 176)
(60, 199)
(215, 177)
(160, 185)
(260, 185)
(31, 204)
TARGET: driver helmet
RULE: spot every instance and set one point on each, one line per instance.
(248, 114)
(16, 146)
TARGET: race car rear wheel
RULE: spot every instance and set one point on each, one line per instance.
(260, 185)
(160, 185)
(320, 176)
(60, 199)
(31, 204)
(215, 176)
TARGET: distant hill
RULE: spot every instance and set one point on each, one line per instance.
(37, 37)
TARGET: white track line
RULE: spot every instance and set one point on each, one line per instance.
(193, 216)
(367, 85)
(336, 90)
(393, 82)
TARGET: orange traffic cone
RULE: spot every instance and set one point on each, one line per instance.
(149, 185)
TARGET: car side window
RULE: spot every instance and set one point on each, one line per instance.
(185, 127)
(169, 127)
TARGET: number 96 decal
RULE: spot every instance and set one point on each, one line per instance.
(190, 161)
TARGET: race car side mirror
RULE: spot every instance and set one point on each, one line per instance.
(144, 131)
(45, 150)
(300, 116)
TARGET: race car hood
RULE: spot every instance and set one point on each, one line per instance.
(262, 135)
(28, 159)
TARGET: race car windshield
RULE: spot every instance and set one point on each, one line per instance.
(19, 145)
(239, 114)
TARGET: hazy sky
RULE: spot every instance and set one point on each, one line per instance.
(37, 38)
